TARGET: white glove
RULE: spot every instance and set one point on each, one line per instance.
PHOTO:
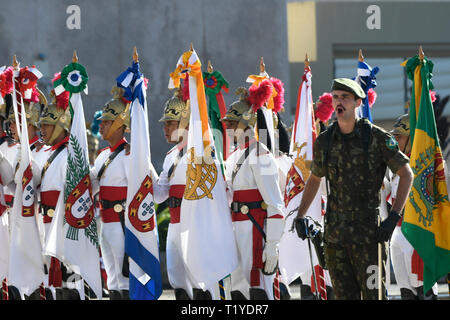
(270, 257)
(274, 231)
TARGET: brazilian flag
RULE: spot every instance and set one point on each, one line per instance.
(426, 222)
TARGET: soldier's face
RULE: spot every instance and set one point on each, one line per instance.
(46, 132)
(402, 141)
(170, 131)
(104, 127)
(231, 126)
(344, 104)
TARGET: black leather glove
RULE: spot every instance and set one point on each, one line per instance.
(301, 228)
(386, 228)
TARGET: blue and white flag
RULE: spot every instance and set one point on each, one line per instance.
(141, 231)
(365, 77)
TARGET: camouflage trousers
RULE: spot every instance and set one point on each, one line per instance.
(351, 255)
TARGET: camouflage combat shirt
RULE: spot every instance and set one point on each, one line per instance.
(354, 194)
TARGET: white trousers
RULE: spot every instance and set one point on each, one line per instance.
(401, 256)
(112, 244)
(240, 278)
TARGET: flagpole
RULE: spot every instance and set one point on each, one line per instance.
(15, 95)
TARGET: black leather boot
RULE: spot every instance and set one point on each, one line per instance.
(199, 294)
(258, 294)
(181, 294)
(13, 293)
(125, 294)
(330, 293)
(71, 294)
(115, 295)
(284, 292)
(305, 293)
(237, 295)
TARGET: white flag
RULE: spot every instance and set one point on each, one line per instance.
(294, 253)
(207, 239)
(26, 265)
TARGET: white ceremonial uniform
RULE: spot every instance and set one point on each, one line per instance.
(256, 180)
(9, 152)
(52, 195)
(172, 181)
(39, 155)
(112, 186)
(38, 158)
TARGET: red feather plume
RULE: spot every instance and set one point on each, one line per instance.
(324, 107)
(433, 96)
(372, 97)
(6, 84)
(257, 96)
(278, 101)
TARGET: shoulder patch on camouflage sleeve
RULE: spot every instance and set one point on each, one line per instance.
(391, 143)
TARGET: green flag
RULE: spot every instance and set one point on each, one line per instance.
(426, 222)
(214, 84)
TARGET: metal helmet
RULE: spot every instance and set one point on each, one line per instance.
(177, 109)
(174, 107)
(32, 110)
(240, 110)
(58, 114)
(401, 125)
(116, 110)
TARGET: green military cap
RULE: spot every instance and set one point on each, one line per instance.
(348, 85)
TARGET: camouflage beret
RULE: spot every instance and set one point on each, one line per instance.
(348, 85)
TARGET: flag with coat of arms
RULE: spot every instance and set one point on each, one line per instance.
(73, 237)
(301, 150)
(26, 266)
(207, 239)
(141, 230)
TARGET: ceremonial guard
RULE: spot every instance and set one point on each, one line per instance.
(407, 264)
(353, 155)
(257, 203)
(55, 125)
(110, 174)
(8, 153)
(33, 104)
(172, 181)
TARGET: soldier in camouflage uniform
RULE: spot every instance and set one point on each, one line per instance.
(353, 155)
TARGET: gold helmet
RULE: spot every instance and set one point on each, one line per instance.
(240, 110)
(32, 110)
(401, 125)
(174, 107)
(177, 109)
(116, 110)
(58, 114)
